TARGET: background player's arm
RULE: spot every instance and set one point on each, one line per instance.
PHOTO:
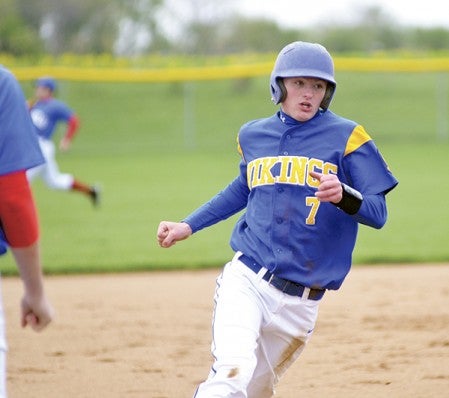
(21, 228)
(36, 311)
(72, 128)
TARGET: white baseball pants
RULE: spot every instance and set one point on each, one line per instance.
(49, 171)
(258, 332)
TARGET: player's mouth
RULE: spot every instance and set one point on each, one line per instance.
(305, 106)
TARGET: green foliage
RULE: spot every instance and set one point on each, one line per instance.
(160, 150)
(16, 37)
(434, 38)
(130, 28)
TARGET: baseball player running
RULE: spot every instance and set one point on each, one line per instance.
(307, 178)
(19, 229)
(46, 112)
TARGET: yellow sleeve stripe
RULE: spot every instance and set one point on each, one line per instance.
(357, 138)
(239, 148)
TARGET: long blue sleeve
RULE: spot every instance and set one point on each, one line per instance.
(373, 211)
(225, 204)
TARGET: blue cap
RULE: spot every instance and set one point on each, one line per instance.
(47, 82)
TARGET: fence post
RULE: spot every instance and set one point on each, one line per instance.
(442, 107)
(189, 115)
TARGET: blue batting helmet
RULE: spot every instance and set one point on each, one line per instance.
(302, 59)
(47, 82)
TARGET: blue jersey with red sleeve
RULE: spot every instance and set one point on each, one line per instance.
(285, 227)
(19, 149)
(46, 114)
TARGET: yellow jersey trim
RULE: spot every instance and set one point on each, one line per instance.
(358, 137)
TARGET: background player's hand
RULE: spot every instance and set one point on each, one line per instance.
(64, 144)
(36, 312)
(168, 233)
(330, 189)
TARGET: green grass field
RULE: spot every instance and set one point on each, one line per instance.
(160, 150)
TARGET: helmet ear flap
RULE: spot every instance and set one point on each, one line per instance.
(330, 89)
(278, 90)
(282, 89)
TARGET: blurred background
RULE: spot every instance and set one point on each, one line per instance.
(135, 27)
(162, 87)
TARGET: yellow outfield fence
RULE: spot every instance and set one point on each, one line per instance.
(144, 74)
(217, 72)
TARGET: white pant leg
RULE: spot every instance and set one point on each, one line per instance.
(282, 341)
(236, 324)
(258, 332)
(49, 171)
(3, 350)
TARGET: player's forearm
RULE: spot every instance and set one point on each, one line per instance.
(36, 310)
(28, 263)
(72, 128)
(373, 211)
(222, 206)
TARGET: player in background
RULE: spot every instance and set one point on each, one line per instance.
(46, 112)
(307, 178)
(19, 229)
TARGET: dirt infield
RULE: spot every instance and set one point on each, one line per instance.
(147, 335)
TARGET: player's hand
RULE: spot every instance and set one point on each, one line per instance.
(64, 144)
(36, 312)
(330, 189)
(168, 232)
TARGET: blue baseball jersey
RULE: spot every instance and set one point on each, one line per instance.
(19, 149)
(46, 114)
(285, 227)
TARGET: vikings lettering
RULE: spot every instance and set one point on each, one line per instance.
(287, 170)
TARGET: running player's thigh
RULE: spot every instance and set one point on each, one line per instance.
(237, 316)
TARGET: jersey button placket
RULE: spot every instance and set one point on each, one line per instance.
(279, 226)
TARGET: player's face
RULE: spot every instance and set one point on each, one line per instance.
(304, 96)
(43, 92)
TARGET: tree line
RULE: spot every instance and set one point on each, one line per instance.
(138, 27)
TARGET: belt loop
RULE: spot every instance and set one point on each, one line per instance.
(305, 293)
(261, 273)
(236, 256)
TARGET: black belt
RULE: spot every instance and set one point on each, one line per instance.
(286, 286)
